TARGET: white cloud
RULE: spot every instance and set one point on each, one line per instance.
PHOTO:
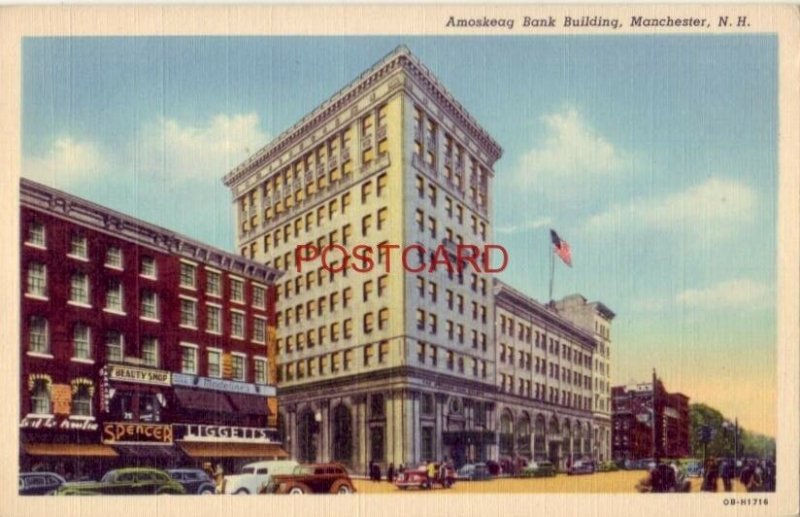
(185, 151)
(735, 293)
(712, 209)
(533, 224)
(67, 161)
(571, 150)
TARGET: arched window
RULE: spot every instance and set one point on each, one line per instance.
(82, 400)
(40, 397)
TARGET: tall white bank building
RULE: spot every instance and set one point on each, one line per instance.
(385, 365)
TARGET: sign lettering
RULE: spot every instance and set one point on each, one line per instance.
(210, 383)
(62, 399)
(138, 375)
(223, 433)
(115, 432)
(59, 423)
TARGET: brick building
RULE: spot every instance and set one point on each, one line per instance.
(138, 345)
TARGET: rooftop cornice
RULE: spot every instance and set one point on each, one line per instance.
(399, 58)
(86, 213)
(508, 298)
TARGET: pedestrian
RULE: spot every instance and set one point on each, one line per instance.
(727, 475)
(401, 469)
(390, 473)
(711, 476)
(371, 470)
(769, 476)
(431, 473)
(219, 477)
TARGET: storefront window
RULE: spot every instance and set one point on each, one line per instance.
(122, 406)
(149, 408)
(40, 397)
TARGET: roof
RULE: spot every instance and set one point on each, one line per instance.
(400, 57)
(80, 211)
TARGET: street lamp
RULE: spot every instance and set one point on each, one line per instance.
(727, 426)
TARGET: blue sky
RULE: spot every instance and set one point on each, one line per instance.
(654, 157)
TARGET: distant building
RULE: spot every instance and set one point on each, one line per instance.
(138, 345)
(648, 422)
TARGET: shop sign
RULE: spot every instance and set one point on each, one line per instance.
(58, 423)
(210, 383)
(138, 375)
(116, 432)
(62, 399)
(222, 433)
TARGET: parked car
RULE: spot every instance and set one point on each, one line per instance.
(474, 472)
(322, 478)
(194, 481)
(418, 477)
(536, 469)
(694, 470)
(581, 467)
(607, 466)
(664, 478)
(494, 467)
(127, 481)
(39, 483)
(254, 476)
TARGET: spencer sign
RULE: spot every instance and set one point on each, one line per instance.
(222, 433)
(115, 432)
(138, 375)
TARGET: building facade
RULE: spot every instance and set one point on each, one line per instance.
(595, 318)
(649, 422)
(545, 381)
(385, 365)
(138, 345)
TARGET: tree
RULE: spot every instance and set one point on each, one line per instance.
(722, 440)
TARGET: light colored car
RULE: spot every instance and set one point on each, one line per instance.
(254, 476)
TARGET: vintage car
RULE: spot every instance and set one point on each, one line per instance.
(39, 483)
(607, 466)
(255, 476)
(322, 478)
(127, 481)
(194, 481)
(581, 467)
(474, 472)
(418, 477)
(664, 478)
(537, 469)
(694, 469)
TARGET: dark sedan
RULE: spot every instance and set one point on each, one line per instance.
(39, 483)
(194, 481)
(127, 482)
(474, 472)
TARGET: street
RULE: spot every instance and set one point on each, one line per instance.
(607, 482)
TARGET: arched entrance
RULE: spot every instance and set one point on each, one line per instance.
(554, 442)
(506, 434)
(307, 433)
(342, 435)
(524, 435)
(539, 448)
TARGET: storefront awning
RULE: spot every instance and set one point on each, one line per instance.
(233, 450)
(146, 451)
(203, 400)
(249, 404)
(69, 449)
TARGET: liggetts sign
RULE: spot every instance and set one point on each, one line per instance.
(222, 433)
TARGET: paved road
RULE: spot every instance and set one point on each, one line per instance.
(607, 482)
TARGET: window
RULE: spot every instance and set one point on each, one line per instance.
(114, 296)
(420, 219)
(237, 325)
(420, 319)
(383, 319)
(40, 397)
(382, 215)
(366, 190)
(432, 194)
(214, 319)
(150, 352)
(259, 297)
(81, 348)
(432, 323)
(82, 400)
(189, 359)
(421, 287)
(188, 313)
(188, 275)
(78, 247)
(367, 287)
(260, 370)
(369, 322)
(36, 234)
(147, 267)
(149, 308)
(259, 330)
(369, 352)
(213, 283)
(237, 290)
(381, 183)
(432, 291)
(238, 364)
(114, 346)
(348, 329)
(366, 224)
(79, 289)
(37, 280)
(38, 339)
(420, 184)
(382, 283)
(214, 369)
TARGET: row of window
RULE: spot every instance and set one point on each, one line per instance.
(371, 354)
(238, 364)
(426, 143)
(525, 333)
(452, 209)
(42, 399)
(319, 336)
(428, 353)
(214, 320)
(541, 392)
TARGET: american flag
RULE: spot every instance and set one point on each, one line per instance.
(561, 248)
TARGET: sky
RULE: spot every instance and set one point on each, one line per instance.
(654, 157)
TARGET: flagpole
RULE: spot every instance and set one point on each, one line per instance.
(552, 272)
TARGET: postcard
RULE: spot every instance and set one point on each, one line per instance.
(449, 259)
